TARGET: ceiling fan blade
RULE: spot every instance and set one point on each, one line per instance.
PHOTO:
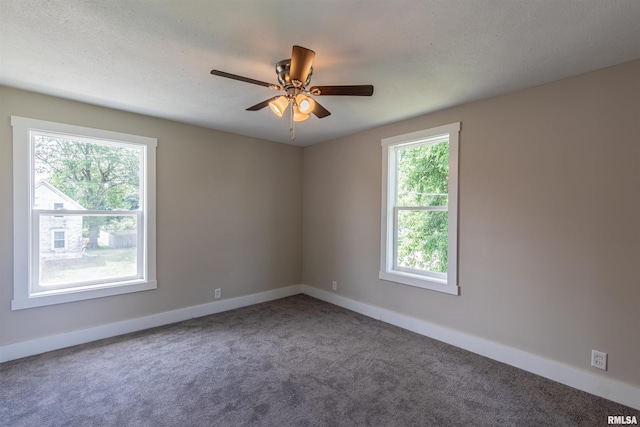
(261, 105)
(319, 111)
(354, 90)
(240, 78)
(301, 60)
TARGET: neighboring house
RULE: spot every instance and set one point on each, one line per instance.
(60, 236)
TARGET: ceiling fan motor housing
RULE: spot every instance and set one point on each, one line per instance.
(282, 70)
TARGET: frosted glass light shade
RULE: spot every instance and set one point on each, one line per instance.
(305, 104)
(279, 105)
(298, 116)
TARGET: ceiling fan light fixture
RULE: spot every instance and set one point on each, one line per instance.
(305, 104)
(279, 105)
(299, 116)
(294, 75)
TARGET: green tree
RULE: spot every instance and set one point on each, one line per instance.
(423, 174)
(97, 176)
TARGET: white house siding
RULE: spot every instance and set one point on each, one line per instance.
(72, 227)
(46, 196)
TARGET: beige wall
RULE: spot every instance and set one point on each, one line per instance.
(549, 234)
(228, 216)
(549, 212)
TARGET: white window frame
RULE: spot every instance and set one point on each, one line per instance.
(53, 238)
(389, 271)
(26, 293)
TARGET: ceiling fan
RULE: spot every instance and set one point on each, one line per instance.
(294, 75)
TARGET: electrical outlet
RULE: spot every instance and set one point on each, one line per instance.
(217, 293)
(599, 360)
(334, 285)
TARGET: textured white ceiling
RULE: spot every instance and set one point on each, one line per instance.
(154, 57)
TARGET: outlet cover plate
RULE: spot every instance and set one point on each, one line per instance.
(599, 360)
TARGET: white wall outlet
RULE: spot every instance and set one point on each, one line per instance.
(334, 285)
(217, 293)
(599, 360)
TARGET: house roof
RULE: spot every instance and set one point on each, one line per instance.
(69, 202)
(155, 57)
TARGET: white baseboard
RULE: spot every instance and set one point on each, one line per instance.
(614, 390)
(68, 339)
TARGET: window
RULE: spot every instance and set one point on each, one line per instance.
(57, 241)
(84, 213)
(420, 209)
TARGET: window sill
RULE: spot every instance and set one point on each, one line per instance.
(80, 294)
(419, 281)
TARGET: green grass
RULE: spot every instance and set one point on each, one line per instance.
(95, 264)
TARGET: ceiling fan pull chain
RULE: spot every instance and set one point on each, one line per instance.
(292, 127)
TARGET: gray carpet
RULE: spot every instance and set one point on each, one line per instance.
(296, 361)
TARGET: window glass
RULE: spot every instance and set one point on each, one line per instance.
(423, 175)
(96, 175)
(422, 240)
(116, 255)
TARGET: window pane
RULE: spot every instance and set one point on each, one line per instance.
(423, 175)
(58, 239)
(85, 174)
(115, 255)
(422, 240)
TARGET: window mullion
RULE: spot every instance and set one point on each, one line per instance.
(63, 212)
(422, 208)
